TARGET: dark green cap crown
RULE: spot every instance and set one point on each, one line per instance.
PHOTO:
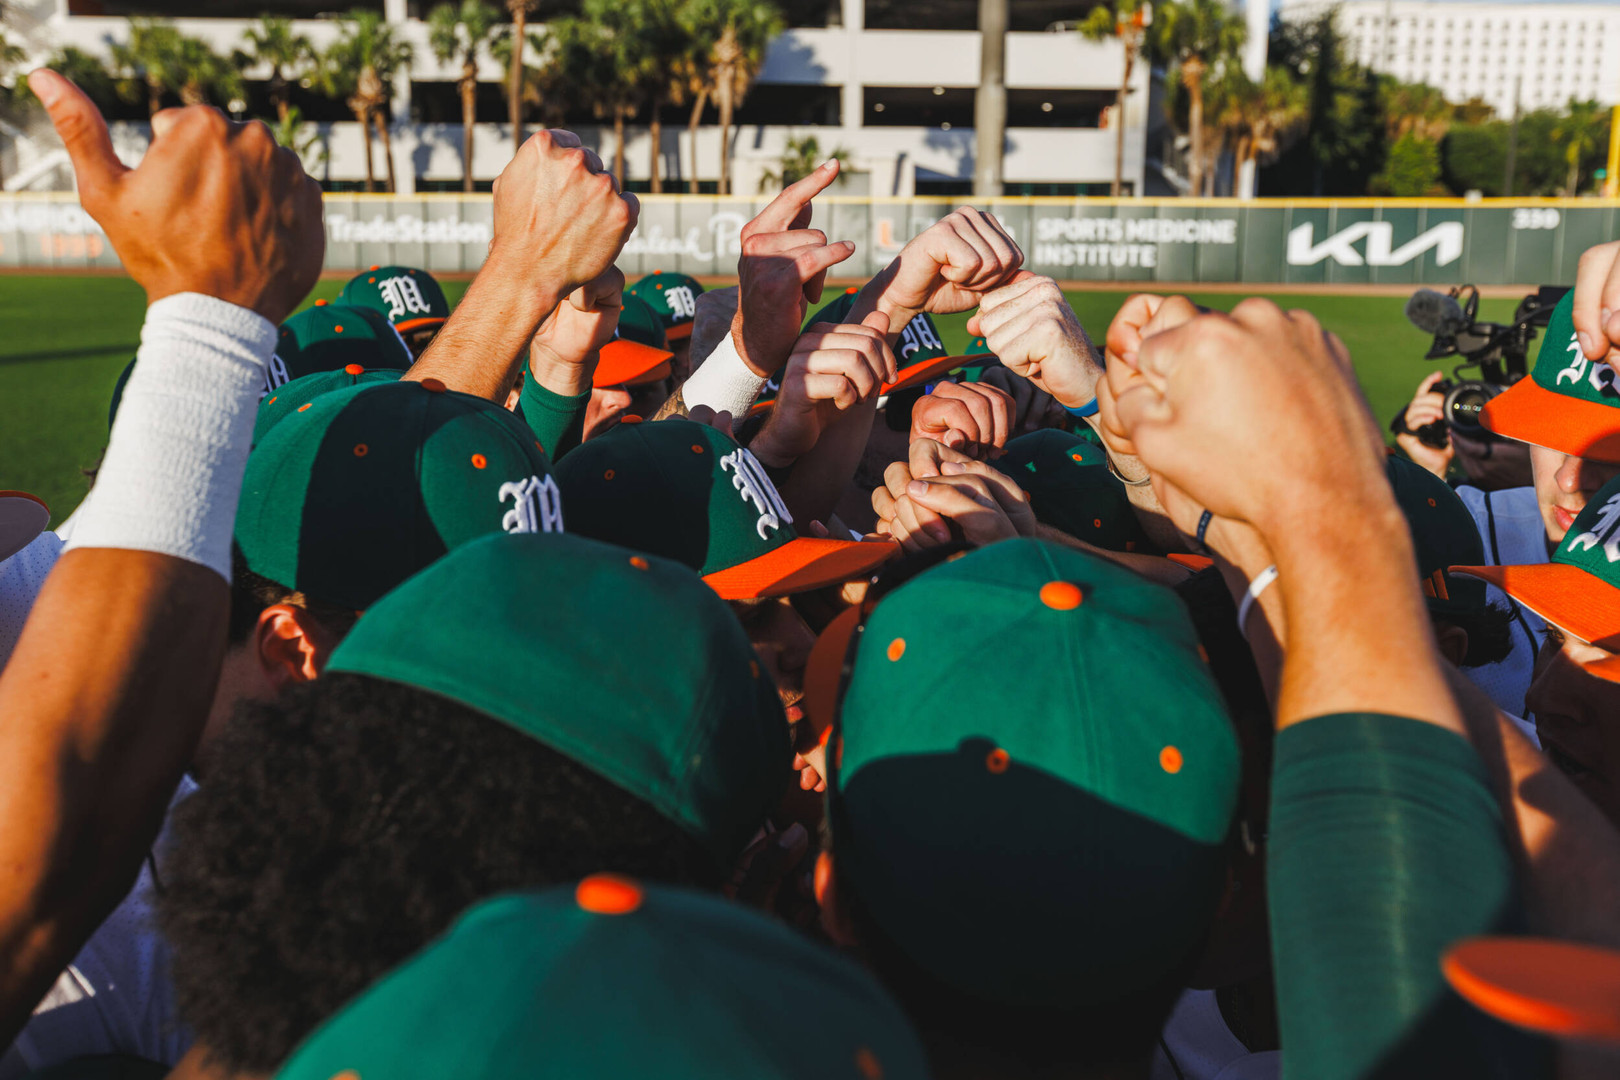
(640, 323)
(568, 983)
(356, 490)
(405, 296)
(690, 493)
(629, 665)
(672, 296)
(1070, 488)
(290, 397)
(331, 337)
(1031, 803)
(1443, 535)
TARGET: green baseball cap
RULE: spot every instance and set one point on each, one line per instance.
(1070, 488)
(290, 397)
(408, 298)
(1032, 803)
(1443, 535)
(330, 337)
(673, 297)
(1567, 403)
(356, 490)
(1579, 590)
(616, 979)
(625, 664)
(690, 493)
(638, 348)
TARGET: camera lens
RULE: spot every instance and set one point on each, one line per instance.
(1465, 402)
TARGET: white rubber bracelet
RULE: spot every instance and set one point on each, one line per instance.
(723, 382)
(1262, 581)
(173, 470)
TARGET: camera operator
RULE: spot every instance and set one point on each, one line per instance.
(1490, 464)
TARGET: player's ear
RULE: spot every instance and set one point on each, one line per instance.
(1453, 643)
(834, 918)
(292, 645)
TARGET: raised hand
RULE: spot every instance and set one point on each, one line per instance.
(974, 418)
(1597, 300)
(558, 213)
(833, 369)
(215, 207)
(1031, 328)
(565, 349)
(948, 267)
(781, 272)
(941, 494)
(1426, 407)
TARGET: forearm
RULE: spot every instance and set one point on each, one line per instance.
(97, 739)
(479, 349)
(1567, 851)
(1358, 637)
(818, 479)
(557, 418)
(875, 296)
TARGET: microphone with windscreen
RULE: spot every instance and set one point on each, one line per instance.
(1436, 313)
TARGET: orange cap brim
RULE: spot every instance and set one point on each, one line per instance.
(1608, 669)
(1566, 596)
(1557, 987)
(626, 362)
(1530, 413)
(825, 668)
(800, 565)
(678, 332)
(416, 324)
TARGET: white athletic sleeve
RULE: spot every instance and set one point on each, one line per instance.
(723, 382)
(173, 471)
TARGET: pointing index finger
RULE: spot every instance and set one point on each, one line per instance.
(784, 210)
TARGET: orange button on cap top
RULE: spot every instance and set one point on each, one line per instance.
(353, 369)
(320, 303)
(1170, 760)
(1060, 595)
(608, 894)
(433, 386)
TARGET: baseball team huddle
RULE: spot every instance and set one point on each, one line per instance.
(605, 680)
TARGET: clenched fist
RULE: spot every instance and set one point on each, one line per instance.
(214, 207)
(946, 268)
(558, 213)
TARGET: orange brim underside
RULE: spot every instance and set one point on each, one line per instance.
(416, 324)
(800, 565)
(1605, 669)
(1529, 413)
(679, 332)
(625, 362)
(1566, 596)
(1556, 987)
(825, 667)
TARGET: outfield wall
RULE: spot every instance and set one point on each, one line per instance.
(1265, 241)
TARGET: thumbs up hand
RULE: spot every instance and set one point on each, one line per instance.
(215, 207)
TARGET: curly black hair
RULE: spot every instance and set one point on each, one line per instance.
(1490, 633)
(343, 826)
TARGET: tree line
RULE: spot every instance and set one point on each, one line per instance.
(614, 59)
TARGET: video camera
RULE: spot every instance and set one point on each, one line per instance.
(1500, 351)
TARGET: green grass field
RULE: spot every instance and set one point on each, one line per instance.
(63, 341)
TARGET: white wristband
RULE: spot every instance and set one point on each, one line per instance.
(173, 468)
(723, 382)
(1262, 581)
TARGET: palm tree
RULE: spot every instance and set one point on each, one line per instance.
(463, 31)
(292, 132)
(1128, 21)
(204, 74)
(601, 65)
(1578, 130)
(149, 62)
(799, 159)
(1261, 119)
(652, 43)
(740, 32)
(542, 85)
(359, 67)
(519, 10)
(1414, 109)
(1196, 37)
(273, 44)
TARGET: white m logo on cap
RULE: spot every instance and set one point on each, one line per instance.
(402, 295)
(748, 477)
(536, 506)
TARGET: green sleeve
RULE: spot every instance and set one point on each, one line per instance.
(557, 421)
(1386, 847)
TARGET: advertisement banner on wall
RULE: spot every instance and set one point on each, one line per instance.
(1264, 242)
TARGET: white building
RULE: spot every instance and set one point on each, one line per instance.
(892, 82)
(1546, 53)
